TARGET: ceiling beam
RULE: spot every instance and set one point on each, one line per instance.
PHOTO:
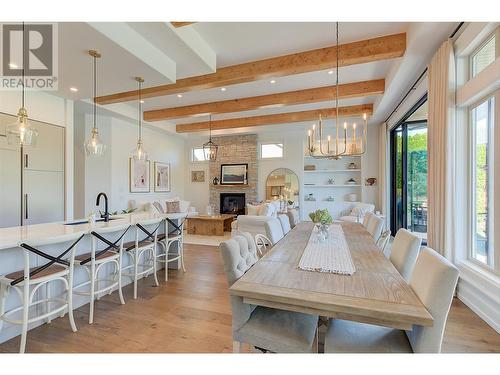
(314, 95)
(181, 24)
(281, 118)
(381, 48)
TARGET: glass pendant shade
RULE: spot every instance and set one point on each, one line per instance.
(21, 132)
(94, 146)
(140, 153)
(210, 150)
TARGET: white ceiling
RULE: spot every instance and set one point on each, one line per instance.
(235, 43)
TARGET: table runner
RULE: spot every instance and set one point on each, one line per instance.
(332, 255)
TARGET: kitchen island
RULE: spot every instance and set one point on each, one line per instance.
(11, 255)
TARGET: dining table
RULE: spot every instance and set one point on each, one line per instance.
(375, 293)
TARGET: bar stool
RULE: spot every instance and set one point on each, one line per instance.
(168, 239)
(143, 247)
(92, 262)
(59, 267)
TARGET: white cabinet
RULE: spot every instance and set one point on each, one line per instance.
(43, 200)
(48, 154)
(10, 185)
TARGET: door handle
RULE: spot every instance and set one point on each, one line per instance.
(26, 206)
(25, 160)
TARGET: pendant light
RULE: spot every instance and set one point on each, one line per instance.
(139, 153)
(210, 148)
(336, 152)
(21, 132)
(94, 146)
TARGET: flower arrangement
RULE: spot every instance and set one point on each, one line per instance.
(322, 217)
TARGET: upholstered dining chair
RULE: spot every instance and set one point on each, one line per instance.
(293, 216)
(274, 230)
(433, 280)
(366, 218)
(404, 252)
(266, 328)
(375, 226)
(285, 223)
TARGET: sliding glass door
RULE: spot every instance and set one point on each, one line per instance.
(409, 172)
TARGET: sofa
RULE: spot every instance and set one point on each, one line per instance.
(356, 213)
(255, 219)
(147, 206)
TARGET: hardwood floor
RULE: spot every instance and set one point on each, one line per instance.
(191, 313)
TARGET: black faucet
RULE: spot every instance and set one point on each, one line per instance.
(105, 215)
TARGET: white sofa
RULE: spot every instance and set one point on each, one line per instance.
(357, 213)
(256, 218)
(147, 206)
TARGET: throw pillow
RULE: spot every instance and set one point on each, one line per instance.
(173, 207)
(252, 210)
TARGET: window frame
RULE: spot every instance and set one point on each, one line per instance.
(471, 188)
(192, 156)
(486, 40)
(271, 143)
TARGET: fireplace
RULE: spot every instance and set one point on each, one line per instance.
(232, 203)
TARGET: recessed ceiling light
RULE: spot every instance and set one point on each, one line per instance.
(13, 66)
(222, 89)
(142, 101)
(179, 95)
(330, 72)
(272, 81)
(73, 89)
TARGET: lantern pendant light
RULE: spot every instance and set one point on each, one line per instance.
(210, 148)
(139, 153)
(94, 146)
(21, 132)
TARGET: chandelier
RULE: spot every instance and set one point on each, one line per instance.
(210, 148)
(94, 145)
(342, 145)
(21, 132)
(139, 153)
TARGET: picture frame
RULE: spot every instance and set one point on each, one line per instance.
(234, 174)
(161, 177)
(139, 175)
(197, 176)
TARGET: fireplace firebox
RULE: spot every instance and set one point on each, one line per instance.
(232, 203)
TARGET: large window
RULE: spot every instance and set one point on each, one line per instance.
(409, 172)
(483, 57)
(482, 124)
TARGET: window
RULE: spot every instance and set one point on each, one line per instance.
(271, 150)
(483, 57)
(482, 181)
(198, 155)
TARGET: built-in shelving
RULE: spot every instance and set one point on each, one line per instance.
(331, 186)
(333, 171)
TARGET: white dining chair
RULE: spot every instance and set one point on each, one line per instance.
(106, 249)
(404, 252)
(293, 216)
(274, 230)
(366, 218)
(270, 329)
(433, 280)
(263, 244)
(28, 282)
(145, 245)
(375, 226)
(285, 223)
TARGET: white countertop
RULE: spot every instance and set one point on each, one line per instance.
(13, 236)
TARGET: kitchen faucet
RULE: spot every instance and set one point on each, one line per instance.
(105, 216)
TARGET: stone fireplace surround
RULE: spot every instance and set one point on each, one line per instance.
(234, 149)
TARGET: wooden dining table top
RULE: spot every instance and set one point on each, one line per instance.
(376, 293)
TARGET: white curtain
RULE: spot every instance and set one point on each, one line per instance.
(383, 168)
(441, 151)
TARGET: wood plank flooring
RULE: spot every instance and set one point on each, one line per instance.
(191, 313)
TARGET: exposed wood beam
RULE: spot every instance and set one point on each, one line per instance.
(319, 94)
(282, 118)
(181, 24)
(382, 48)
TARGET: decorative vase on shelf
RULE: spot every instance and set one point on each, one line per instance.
(353, 197)
(352, 166)
(331, 181)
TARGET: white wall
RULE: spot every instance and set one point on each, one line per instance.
(51, 109)
(196, 192)
(110, 174)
